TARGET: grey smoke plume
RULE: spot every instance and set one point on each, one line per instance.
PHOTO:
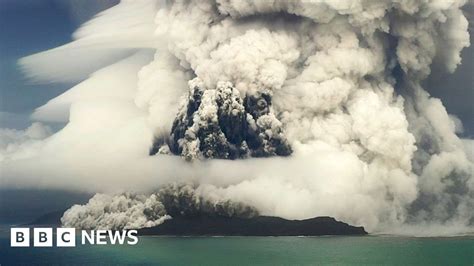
(344, 101)
(220, 124)
(133, 211)
(116, 212)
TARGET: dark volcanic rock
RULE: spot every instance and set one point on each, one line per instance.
(258, 226)
(219, 123)
(212, 225)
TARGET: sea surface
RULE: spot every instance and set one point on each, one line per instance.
(327, 250)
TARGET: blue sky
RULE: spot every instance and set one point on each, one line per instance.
(30, 26)
(27, 27)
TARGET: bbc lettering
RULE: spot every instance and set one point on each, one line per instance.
(66, 237)
(43, 237)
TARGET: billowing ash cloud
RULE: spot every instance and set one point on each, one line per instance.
(125, 211)
(220, 124)
(132, 211)
(329, 93)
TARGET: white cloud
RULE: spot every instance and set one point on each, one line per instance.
(362, 153)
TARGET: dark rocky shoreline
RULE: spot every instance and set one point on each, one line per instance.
(206, 225)
(257, 226)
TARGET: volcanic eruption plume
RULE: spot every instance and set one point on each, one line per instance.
(294, 109)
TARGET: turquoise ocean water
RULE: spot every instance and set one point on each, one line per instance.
(368, 250)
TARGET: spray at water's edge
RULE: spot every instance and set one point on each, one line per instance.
(368, 144)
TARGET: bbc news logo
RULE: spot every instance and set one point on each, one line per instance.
(66, 237)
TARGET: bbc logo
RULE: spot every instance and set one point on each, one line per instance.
(42, 237)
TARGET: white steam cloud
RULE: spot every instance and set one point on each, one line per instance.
(130, 211)
(370, 146)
